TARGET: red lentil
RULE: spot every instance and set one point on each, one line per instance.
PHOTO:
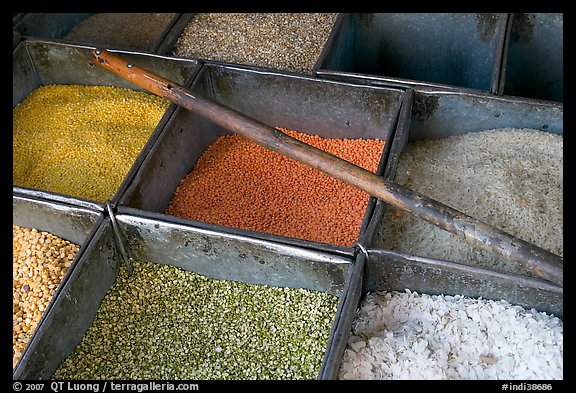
(241, 184)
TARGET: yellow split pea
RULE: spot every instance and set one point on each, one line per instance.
(39, 262)
(81, 140)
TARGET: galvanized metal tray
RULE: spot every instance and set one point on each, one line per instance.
(152, 237)
(67, 220)
(47, 25)
(533, 64)
(436, 114)
(449, 50)
(173, 33)
(384, 270)
(279, 99)
(55, 26)
(42, 62)
(340, 103)
(440, 113)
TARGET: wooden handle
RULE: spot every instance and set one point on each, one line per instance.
(540, 262)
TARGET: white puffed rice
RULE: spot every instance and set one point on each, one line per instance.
(406, 335)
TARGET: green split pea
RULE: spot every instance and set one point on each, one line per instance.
(166, 323)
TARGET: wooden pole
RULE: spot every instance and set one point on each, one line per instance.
(540, 262)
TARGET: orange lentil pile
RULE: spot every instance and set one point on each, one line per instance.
(39, 262)
(241, 184)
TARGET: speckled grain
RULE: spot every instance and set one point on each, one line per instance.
(285, 41)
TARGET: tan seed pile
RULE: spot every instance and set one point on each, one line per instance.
(241, 184)
(39, 262)
(130, 30)
(81, 140)
(286, 41)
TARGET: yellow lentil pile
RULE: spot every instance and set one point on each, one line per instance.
(81, 140)
(39, 262)
(241, 184)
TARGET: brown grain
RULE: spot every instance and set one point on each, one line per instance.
(127, 30)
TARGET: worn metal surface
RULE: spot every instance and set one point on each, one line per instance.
(543, 263)
(68, 221)
(217, 255)
(459, 50)
(73, 309)
(16, 38)
(392, 271)
(325, 108)
(58, 25)
(534, 65)
(48, 25)
(538, 261)
(343, 326)
(53, 196)
(174, 32)
(16, 17)
(39, 62)
(246, 259)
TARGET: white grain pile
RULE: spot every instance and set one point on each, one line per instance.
(410, 336)
(509, 178)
